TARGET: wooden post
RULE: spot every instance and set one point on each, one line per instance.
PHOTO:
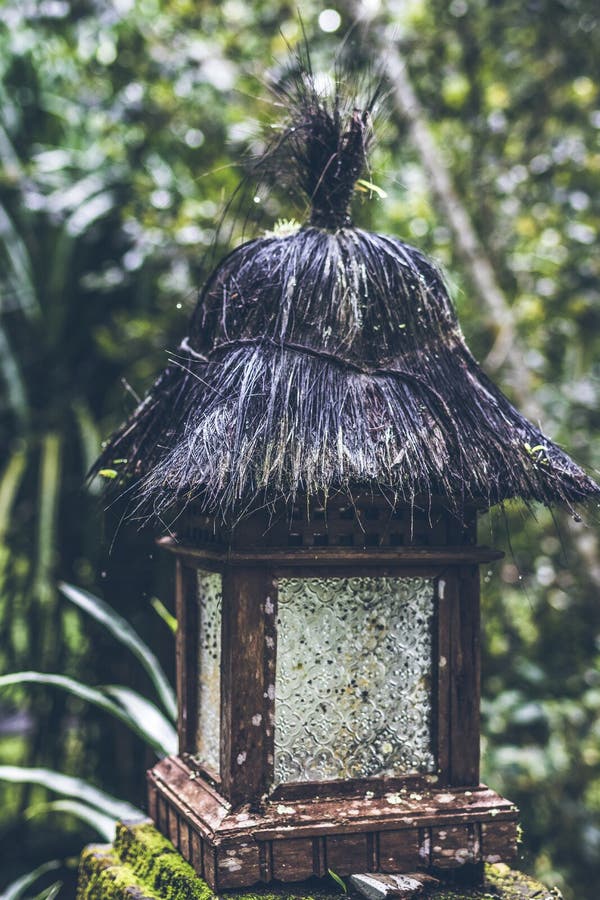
(248, 684)
(187, 640)
(464, 678)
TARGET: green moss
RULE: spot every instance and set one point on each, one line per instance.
(102, 876)
(154, 860)
(144, 865)
(517, 886)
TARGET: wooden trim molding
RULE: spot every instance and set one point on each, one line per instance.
(327, 556)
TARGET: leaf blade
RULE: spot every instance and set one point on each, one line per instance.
(139, 714)
(69, 786)
(103, 824)
(17, 888)
(120, 629)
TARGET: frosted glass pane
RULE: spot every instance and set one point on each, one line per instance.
(209, 658)
(352, 689)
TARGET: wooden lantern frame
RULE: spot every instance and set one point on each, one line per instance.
(233, 826)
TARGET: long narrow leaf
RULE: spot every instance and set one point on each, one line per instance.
(103, 824)
(161, 610)
(90, 441)
(19, 264)
(68, 786)
(123, 632)
(50, 893)
(13, 378)
(46, 550)
(10, 481)
(17, 889)
(134, 710)
(147, 716)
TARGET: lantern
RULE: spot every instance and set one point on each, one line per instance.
(327, 441)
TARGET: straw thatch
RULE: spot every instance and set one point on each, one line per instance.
(331, 359)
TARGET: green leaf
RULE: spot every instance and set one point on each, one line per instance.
(16, 392)
(108, 473)
(103, 824)
(89, 439)
(50, 893)
(135, 711)
(159, 607)
(371, 188)
(10, 480)
(149, 719)
(17, 889)
(123, 632)
(88, 212)
(68, 786)
(338, 880)
(18, 268)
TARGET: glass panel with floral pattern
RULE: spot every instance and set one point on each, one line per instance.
(353, 678)
(209, 664)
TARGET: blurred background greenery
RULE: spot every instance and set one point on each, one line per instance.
(121, 128)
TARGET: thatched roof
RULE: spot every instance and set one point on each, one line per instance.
(331, 359)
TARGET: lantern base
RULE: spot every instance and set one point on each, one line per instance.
(142, 864)
(440, 830)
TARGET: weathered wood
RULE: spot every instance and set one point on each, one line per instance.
(455, 845)
(186, 649)
(248, 685)
(172, 780)
(464, 678)
(439, 829)
(293, 859)
(325, 556)
(209, 864)
(235, 829)
(157, 873)
(208, 809)
(375, 786)
(173, 826)
(152, 802)
(440, 696)
(196, 852)
(237, 863)
(184, 839)
(365, 522)
(498, 842)
(347, 852)
(399, 850)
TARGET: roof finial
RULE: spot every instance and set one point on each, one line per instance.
(325, 144)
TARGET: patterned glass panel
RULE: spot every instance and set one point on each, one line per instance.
(352, 689)
(209, 658)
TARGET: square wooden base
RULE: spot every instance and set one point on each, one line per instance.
(404, 830)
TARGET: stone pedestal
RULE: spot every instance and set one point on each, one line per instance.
(141, 864)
